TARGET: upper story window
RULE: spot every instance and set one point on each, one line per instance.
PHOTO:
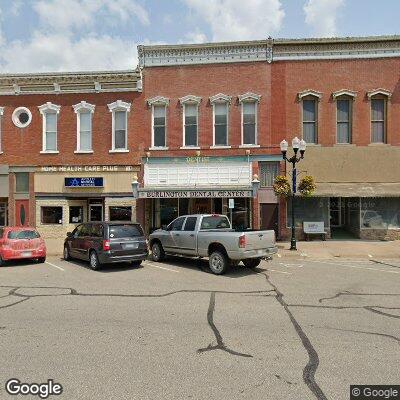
(49, 113)
(22, 182)
(1, 131)
(84, 112)
(190, 105)
(268, 172)
(344, 115)
(119, 110)
(309, 100)
(220, 103)
(249, 103)
(159, 122)
(379, 100)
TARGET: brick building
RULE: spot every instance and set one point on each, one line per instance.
(197, 128)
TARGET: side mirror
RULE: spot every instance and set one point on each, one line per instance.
(164, 227)
(69, 234)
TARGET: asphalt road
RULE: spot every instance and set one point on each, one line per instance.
(291, 330)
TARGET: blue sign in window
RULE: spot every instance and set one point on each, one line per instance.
(84, 182)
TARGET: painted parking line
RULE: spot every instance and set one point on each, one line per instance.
(358, 267)
(158, 266)
(281, 272)
(55, 266)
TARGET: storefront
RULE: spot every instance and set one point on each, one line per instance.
(4, 189)
(197, 185)
(69, 195)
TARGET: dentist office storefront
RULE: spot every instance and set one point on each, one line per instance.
(196, 185)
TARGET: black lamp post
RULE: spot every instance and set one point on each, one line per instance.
(297, 145)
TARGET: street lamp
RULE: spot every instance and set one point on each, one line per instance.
(297, 145)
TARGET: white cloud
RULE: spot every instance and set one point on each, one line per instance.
(195, 37)
(238, 19)
(321, 15)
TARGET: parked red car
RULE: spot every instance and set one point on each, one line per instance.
(18, 243)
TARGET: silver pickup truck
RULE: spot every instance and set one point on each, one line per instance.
(212, 236)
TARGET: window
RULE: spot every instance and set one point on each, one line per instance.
(119, 110)
(51, 215)
(97, 230)
(190, 115)
(84, 112)
(249, 122)
(378, 123)
(343, 115)
(3, 215)
(177, 224)
(22, 182)
(49, 113)
(215, 222)
(310, 120)
(21, 117)
(159, 126)
(23, 234)
(125, 231)
(118, 213)
(75, 214)
(268, 172)
(190, 224)
(1, 123)
(221, 124)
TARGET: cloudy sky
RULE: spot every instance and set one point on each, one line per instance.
(70, 35)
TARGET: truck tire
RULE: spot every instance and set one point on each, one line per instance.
(157, 252)
(252, 262)
(218, 262)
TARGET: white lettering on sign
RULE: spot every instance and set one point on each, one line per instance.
(86, 168)
(313, 227)
(149, 194)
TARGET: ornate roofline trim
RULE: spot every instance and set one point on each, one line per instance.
(49, 107)
(220, 98)
(380, 91)
(119, 105)
(83, 105)
(344, 92)
(309, 92)
(158, 100)
(190, 99)
(249, 96)
(1, 111)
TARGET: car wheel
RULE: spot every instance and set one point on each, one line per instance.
(41, 260)
(218, 263)
(136, 263)
(252, 262)
(157, 252)
(66, 253)
(94, 261)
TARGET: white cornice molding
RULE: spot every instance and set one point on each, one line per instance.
(83, 105)
(49, 107)
(190, 99)
(379, 91)
(119, 105)
(249, 96)
(220, 98)
(344, 92)
(158, 100)
(309, 92)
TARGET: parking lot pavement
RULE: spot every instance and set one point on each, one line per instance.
(289, 330)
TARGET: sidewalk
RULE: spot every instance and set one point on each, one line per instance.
(341, 249)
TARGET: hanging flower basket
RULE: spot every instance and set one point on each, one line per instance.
(282, 186)
(307, 186)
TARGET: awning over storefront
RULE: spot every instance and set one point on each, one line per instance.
(357, 189)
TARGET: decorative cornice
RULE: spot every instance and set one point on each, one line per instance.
(83, 105)
(309, 92)
(49, 107)
(344, 92)
(70, 82)
(119, 105)
(249, 96)
(379, 91)
(220, 98)
(190, 99)
(158, 100)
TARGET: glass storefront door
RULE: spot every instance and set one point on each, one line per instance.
(95, 212)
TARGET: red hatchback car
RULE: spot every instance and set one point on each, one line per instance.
(18, 243)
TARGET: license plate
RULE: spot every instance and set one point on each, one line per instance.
(26, 254)
(130, 246)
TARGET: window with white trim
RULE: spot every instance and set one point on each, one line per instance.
(84, 112)
(343, 119)
(310, 119)
(221, 124)
(1, 132)
(249, 119)
(159, 125)
(119, 110)
(191, 124)
(49, 113)
(378, 119)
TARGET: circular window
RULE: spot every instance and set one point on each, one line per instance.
(21, 117)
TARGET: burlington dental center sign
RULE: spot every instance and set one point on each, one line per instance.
(172, 194)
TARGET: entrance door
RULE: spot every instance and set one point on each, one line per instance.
(22, 212)
(269, 217)
(95, 212)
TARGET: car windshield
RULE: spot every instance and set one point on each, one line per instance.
(125, 231)
(215, 222)
(23, 235)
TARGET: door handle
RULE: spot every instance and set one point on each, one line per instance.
(177, 234)
(192, 235)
